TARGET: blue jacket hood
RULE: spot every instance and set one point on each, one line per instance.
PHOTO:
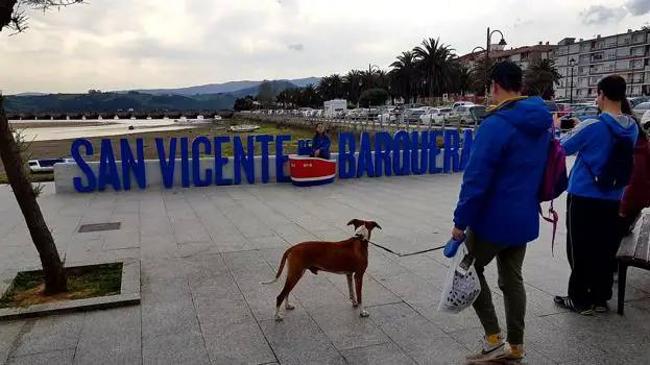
(621, 125)
(529, 115)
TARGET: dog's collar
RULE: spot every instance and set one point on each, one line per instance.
(360, 238)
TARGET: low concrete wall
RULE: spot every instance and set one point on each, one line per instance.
(64, 173)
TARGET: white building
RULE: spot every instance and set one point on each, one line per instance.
(335, 107)
(626, 54)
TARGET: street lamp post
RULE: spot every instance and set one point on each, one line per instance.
(502, 42)
(572, 63)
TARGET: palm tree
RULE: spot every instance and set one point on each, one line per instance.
(479, 74)
(462, 78)
(404, 73)
(331, 87)
(540, 78)
(434, 60)
(352, 83)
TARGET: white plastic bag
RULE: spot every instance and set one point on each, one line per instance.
(462, 286)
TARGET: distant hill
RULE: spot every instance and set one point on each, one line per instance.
(113, 102)
(203, 97)
(242, 88)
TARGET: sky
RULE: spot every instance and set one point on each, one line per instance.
(127, 44)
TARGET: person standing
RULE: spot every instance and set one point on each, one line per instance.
(498, 204)
(604, 147)
(636, 196)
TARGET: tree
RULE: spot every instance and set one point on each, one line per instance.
(479, 75)
(435, 61)
(331, 87)
(353, 81)
(246, 103)
(404, 76)
(540, 78)
(373, 97)
(265, 94)
(12, 16)
(461, 79)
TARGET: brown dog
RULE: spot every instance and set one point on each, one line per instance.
(345, 257)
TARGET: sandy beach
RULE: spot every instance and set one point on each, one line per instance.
(71, 129)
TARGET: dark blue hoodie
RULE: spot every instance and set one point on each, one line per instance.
(499, 195)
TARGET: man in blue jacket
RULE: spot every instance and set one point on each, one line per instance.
(592, 211)
(498, 204)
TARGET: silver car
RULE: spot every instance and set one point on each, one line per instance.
(641, 109)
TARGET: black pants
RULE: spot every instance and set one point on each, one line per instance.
(592, 241)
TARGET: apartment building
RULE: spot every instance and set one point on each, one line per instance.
(626, 54)
(523, 56)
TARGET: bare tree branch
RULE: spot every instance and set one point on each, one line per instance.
(13, 13)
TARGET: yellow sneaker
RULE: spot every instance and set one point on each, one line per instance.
(512, 352)
(492, 346)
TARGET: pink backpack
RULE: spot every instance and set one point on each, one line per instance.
(554, 181)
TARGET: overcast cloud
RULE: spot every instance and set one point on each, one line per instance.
(123, 44)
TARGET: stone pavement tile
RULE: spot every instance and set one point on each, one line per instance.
(230, 331)
(9, 332)
(293, 233)
(382, 354)
(274, 241)
(175, 348)
(189, 230)
(59, 357)
(298, 340)
(249, 225)
(45, 334)
(113, 334)
(600, 330)
(345, 328)
(643, 304)
(639, 279)
(204, 269)
(416, 336)
(189, 249)
(560, 344)
(401, 322)
(162, 246)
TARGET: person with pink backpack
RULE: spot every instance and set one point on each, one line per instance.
(604, 148)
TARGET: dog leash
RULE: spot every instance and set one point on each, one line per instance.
(406, 254)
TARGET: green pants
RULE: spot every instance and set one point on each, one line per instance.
(511, 282)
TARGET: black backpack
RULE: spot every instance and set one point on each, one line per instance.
(617, 170)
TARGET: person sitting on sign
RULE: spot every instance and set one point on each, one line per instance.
(321, 143)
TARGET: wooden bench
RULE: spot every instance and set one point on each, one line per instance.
(634, 251)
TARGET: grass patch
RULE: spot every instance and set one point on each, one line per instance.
(36, 178)
(83, 282)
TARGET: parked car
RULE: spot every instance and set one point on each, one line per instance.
(638, 100)
(435, 115)
(645, 121)
(470, 114)
(413, 115)
(584, 111)
(458, 105)
(640, 109)
(46, 165)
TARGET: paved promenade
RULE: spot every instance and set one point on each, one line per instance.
(204, 251)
